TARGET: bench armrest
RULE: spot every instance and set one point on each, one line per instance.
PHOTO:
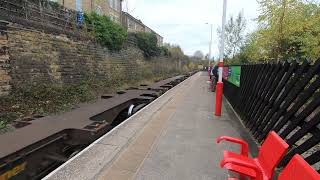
(244, 164)
(244, 144)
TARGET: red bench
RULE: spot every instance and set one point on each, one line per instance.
(297, 169)
(261, 168)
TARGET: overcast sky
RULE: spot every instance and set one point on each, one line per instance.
(183, 21)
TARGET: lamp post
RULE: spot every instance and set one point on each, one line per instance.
(219, 88)
(210, 43)
(210, 46)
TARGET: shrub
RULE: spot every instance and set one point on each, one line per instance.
(107, 32)
(165, 51)
(147, 42)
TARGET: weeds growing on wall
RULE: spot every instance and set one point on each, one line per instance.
(107, 32)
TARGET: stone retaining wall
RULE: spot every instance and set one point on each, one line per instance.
(32, 57)
(4, 65)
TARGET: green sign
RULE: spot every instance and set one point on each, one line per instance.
(234, 75)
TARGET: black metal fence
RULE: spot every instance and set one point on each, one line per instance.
(41, 15)
(285, 98)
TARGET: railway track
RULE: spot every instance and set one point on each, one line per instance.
(38, 146)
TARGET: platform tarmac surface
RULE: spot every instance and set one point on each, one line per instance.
(171, 139)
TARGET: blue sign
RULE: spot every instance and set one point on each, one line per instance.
(80, 18)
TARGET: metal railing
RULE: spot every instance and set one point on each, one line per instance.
(282, 97)
(42, 15)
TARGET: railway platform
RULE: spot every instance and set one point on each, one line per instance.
(171, 138)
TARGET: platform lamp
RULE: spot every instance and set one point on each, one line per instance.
(219, 89)
(210, 45)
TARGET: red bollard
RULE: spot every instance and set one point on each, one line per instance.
(219, 91)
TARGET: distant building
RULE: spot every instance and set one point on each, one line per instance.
(160, 38)
(132, 24)
(147, 29)
(135, 25)
(111, 8)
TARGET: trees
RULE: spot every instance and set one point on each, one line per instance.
(234, 35)
(175, 51)
(289, 29)
(198, 55)
(286, 29)
(147, 42)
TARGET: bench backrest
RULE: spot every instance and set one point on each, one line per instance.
(298, 169)
(271, 152)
